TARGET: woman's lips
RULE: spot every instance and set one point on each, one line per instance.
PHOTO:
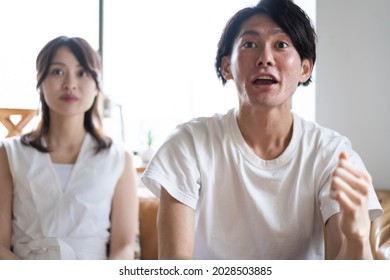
(69, 98)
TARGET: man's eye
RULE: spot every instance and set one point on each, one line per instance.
(249, 45)
(281, 45)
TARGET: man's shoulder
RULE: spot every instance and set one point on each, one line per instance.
(320, 139)
(207, 124)
(318, 132)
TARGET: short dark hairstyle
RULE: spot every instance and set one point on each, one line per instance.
(290, 17)
(89, 59)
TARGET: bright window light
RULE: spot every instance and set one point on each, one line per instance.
(159, 64)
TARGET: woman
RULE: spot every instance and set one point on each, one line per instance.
(67, 190)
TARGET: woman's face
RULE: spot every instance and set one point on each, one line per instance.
(264, 65)
(68, 88)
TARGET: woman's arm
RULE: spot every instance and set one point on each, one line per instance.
(176, 228)
(5, 207)
(124, 214)
(348, 232)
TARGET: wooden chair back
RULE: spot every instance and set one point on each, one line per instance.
(6, 118)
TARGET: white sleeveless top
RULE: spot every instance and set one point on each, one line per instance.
(51, 222)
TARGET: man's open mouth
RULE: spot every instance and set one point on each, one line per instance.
(265, 80)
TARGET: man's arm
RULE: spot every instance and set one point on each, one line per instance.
(176, 228)
(348, 232)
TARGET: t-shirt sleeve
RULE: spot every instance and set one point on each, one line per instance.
(174, 167)
(329, 206)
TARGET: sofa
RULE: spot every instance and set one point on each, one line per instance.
(380, 230)
(148, 228)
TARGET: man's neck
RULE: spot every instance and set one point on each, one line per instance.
(266, 133)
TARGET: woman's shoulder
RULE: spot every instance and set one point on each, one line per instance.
(11, 143)
(118, 146)
(13, 139)
(117, 151)
(12, 148)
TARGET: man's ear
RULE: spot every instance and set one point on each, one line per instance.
(225, 68)
(306, 70)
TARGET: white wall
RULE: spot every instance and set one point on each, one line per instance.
(353, 78)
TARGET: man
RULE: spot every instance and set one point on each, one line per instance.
(260, 182)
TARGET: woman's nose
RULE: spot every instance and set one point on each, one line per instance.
(70, 82)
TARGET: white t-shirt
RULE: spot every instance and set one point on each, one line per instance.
(246, 207)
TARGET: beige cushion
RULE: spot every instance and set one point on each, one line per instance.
(380, 229)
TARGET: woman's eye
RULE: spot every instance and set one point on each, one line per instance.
(281, 45)
(249, 45)
(83, 73)
(57, 72)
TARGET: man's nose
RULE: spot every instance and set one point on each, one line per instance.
(266, 57)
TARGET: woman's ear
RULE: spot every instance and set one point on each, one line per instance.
(225, 68)
(306, 70)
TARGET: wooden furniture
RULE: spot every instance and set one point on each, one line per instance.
(148, 208)
(26, 115)
(380, 229)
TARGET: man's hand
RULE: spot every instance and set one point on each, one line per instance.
(350, 187)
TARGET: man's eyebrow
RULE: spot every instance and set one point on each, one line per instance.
(249, 32)
(255, 33)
